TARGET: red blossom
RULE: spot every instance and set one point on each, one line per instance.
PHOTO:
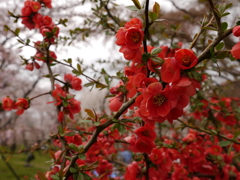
(21, 105)
(186, 58)
(73, 81)
(146, 133)
(7, 104)
(29, 67)
(236, 51)
(170, 71)
(236, 31)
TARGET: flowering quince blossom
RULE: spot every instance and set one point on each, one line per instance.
(21, 105)
(186, 58)
(130, 38)
(73, 81)
(7, 104)
(236, 31)
(236, 51)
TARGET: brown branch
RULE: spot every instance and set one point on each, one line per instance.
(100, 129)
(208, 132)
(206, 53)
(218, 20)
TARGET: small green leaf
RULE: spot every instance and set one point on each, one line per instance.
(222, 55)
(158, 60)
(219, 46)
(137, 4)
(73, 170)
(153, 16)
(73, 147)
(133, 8)
(224, 143)
(82, 156)
(155, 51)
(96, 123)
(224, 26)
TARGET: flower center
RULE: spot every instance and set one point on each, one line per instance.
(159, 99)
(135, 36)
(186, 60)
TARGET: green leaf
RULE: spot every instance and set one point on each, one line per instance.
(224, 143)
(70, 134)
(158, 60)
(17, 30)
(96, 123)
(82, 156)
(224, 26)
(76, 72)
(153, 16)
(73, 170)
(155, 51)
(222, 55)
(214, 60)
(219, 46)
(73, 147)
(137, 4)
(133, 8)
(79, 68)
(161, 20)
(146, 56)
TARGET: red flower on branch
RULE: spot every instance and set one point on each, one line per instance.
(7, 104)
(21, 105)
(186, 58)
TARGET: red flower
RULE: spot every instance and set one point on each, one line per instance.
(29, 67)
(159, 102)
(73, 81)
(134, 38)
(186, 58)
(47, 3)
(146, 133)
(21, 105)
(170, 70)
(133, 171)
(134, 22)
(236, 31)
(36, 6)
(7, 104)
(156, 155)
(236, 51)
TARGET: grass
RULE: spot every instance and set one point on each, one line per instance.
(17, 161)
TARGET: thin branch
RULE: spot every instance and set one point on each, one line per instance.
(206, 53)
(98, 130)
(208, 132)
(218, 20)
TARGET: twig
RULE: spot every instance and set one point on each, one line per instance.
(218, 20)
(206, 53)
(10, 167)
(98, 130)
(208, 132)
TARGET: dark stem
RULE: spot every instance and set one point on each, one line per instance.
(10, 167)
(100, 129)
